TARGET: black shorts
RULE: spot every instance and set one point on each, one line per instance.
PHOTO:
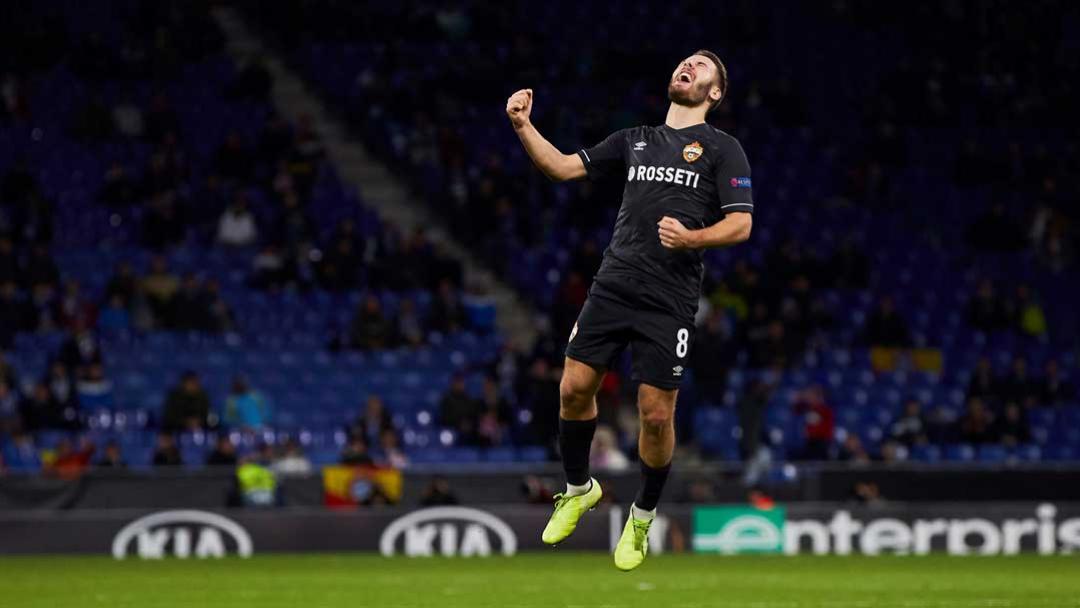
(625, 313)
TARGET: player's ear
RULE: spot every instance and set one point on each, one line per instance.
(715, 94)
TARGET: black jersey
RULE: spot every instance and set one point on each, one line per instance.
(695, 175)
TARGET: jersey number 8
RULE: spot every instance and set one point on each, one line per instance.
(683, 344)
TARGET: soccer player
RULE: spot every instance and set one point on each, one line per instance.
(687, 189)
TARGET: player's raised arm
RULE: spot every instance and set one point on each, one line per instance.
(556, 165)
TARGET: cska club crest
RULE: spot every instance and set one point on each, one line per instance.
(692, 152)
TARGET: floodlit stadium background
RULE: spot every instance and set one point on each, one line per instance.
(278, 277)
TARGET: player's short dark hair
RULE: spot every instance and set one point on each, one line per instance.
(721, 75)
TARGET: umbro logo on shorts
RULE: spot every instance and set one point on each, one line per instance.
(677, 370)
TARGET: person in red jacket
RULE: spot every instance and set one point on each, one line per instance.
(820, 423)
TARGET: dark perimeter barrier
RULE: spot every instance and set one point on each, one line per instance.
(476, 531)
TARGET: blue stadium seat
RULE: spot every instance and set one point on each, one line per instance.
(532, 454)
(992, 453)
(960, 453)
(926, 453)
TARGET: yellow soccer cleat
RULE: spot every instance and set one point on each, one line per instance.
(633, 544)
(568, 510)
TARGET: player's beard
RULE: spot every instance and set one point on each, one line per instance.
(693, 96)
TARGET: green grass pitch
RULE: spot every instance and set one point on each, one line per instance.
(556, 579)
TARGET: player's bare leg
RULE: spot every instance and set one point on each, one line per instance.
(656, 444)
(577, 424)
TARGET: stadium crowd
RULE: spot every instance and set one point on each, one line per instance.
(969, 129)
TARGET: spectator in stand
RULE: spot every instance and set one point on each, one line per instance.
(219, 315)
(233, 160)
(10, 268)
(941, 427)
(164, 223)
(460, 412)
(1012, 428)
(128, 118)
(982, 385)
(1052, 388)
(71, 462)
(237, 227)
(223, 454)
(538, 394)
(356, 453)
(292, 461)
(292, 227)
(93, 122)
(115, 316)
(438, 493)
(187, 407)
(161, 119)
(1018, 386)
(410, 328)
(10, 420)
(984, 312)
(370, 329)
(493, 424)
(447, 311)
(94, 390)
(16, 314)
(246, 408)
(112, 458)
(40, 268)
(188, 310)
(819, 423)
(1030, 317)
(996, 231)
(166, 454)
(390, 446)
(20, 454)
(160, 287)
(849, 266)
(372, 421)
(605, 454)
(7, 371)
(73, 310)
(910, 428)
(119, 189)
(886, 328)
(80, 350)
(275, 138)
(252, 81)
(41, 304)
(123, 284)
(976, 426)
(269, 269)
(852, 450)
(59, 380)
(712, 356)
(765, 338)
(40, 411)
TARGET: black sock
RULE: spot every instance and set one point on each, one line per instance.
(652, 484)
(575, 439)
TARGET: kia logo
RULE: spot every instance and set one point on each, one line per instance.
(182, 534)
(448, 531)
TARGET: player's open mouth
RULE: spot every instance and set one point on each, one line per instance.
(685, 77)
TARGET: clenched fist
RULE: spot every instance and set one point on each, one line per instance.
(518, 108)
(673, 235)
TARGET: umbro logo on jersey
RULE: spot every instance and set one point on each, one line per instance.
(677, 370)
(639, 146)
